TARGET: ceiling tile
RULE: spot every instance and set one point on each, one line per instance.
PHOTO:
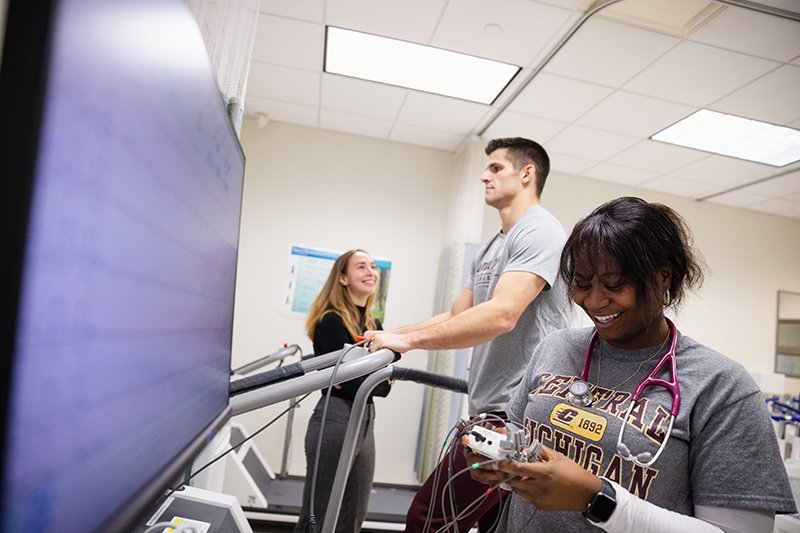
(609, 53)
(283, 112)
(513, 34)
(511, 124)
(507, 94)
(778, 187)
(724, 171)
(634, 114)
(590, 143)
(618, 174)
(783, 208)
(659, 157)
(410, 20)
(786, 5)
(283, 83)
(568, 4)
(678, 186)
(698, 74)
(374, 99)
(355, 124)
(311, 10)
(738, 198)
(558, 98)
(441, 113)
(288, 42)
(767, 36)
(775, 98)
(568, 164)
(409, 134)
(676, 17)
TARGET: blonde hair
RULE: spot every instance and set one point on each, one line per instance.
(334, 298)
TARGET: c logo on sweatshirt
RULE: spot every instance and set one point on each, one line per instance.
(587, 425)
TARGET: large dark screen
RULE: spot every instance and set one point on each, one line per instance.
(122, 349)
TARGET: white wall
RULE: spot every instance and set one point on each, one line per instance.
(337, 191)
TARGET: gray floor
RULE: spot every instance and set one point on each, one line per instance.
(387, 506)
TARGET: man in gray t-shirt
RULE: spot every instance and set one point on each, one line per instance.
(509, 304)
(532, 246)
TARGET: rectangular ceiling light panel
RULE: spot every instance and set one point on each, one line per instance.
(415, 66)
(734, 136)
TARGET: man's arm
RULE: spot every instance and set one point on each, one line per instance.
(475, 324)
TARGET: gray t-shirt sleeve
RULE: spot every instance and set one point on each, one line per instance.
(470, 279)
(736, 448)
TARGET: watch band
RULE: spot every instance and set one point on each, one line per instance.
(603, 503)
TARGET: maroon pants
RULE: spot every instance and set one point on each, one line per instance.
(465, 490)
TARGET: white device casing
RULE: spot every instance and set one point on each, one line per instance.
(489, 443)
(501, 446)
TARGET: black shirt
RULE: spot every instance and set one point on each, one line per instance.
(331, 335)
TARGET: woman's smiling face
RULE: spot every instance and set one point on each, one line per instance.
(361, 277)
(623, 317)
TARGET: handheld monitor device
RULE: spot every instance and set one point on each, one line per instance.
(122, 191)
(512, 445)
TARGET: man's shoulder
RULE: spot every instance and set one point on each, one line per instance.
(538, 232)
(538, 219)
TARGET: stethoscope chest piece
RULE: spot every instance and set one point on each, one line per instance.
(579, 394)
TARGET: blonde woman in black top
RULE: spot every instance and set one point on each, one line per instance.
(340, 313)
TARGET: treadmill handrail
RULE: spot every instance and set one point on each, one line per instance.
(348, 446)
(318, 374)
(354, 425)
(239, 383)
(429, 378)
(267, 359)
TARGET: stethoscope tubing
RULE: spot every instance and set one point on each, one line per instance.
(651, 380)
(672, 386)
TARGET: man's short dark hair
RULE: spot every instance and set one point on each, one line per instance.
(521, 152)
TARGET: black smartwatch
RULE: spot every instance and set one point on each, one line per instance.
(603, 504)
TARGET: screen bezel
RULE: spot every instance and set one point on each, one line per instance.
(145, 502)
(23, 86)
(26, 55)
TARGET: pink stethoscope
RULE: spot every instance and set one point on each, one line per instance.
(580, 395)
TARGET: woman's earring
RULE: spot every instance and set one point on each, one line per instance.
(667, 299)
